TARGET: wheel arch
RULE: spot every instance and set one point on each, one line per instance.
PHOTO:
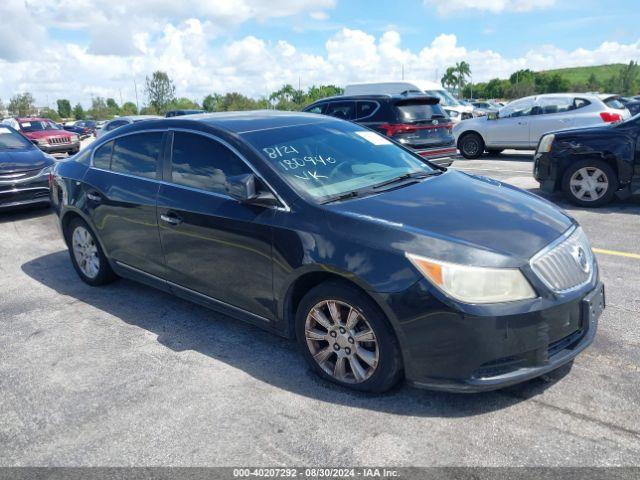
(310, 279)
(468, 132)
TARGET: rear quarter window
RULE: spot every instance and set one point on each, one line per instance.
(102, 156)
(317, 108)
(614, 102)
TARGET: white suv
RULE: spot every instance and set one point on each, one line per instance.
(521, 123)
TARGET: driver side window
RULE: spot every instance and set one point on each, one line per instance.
(519, 108)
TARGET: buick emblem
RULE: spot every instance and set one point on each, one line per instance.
(435, 122)
(581, 259)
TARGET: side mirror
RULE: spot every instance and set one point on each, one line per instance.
(492, 115)
(243, 189)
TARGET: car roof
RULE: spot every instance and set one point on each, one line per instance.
(231, 122)
(375, 96)
(33, 119)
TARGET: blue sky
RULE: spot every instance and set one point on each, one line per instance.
(80, 49)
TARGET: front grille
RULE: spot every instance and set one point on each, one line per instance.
(567, 263)
(59, 140)
(10, 178)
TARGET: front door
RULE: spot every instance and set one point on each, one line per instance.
(121, 190)
(511, 128)
(214, 246)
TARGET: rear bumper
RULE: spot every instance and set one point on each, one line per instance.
(443, 157)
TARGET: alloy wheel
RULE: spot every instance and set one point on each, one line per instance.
(85, 252)
(342, 341)
(589, 184)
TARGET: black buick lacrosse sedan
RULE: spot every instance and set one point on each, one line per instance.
(381, 265)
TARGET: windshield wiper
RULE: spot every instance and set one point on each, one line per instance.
(406, 176)
(342, 196)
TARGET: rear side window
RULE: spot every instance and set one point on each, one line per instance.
(102, 156)
(365, 109)
(344, 110)
(555, 105)
(418, 112)
(201, 162)
(581, 102)
(137, 154)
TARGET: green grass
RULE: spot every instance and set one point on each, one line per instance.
(582, 74)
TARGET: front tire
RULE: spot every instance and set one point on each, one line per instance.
(471, 146)
(87, 256)
(346, 338)
(590, 183)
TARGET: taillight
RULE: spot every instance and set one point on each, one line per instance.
(393, 129)
(609, 117)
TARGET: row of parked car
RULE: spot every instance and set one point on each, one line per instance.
(429, 121)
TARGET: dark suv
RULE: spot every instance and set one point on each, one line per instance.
(415, 121)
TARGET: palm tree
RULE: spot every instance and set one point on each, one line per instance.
(463, 70)
(449, 80)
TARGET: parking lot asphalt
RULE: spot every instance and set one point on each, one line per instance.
(128, 375)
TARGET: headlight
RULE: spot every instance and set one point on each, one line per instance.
(474, 284)
(42, 141)
(546, 143)
(453, 113)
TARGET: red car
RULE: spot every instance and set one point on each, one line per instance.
(48, 136)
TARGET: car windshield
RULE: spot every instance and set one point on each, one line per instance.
(445, 97)
(10, 140)
(38, 125)
(333, 159)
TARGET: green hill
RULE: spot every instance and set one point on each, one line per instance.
(582, 74)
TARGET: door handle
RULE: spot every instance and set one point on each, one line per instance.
(171, 218)
(94, 196)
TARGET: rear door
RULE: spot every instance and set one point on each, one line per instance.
(553, 113)
(121, 189)
(215, 247)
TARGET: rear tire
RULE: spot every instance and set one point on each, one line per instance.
(590, 183)
(346, 338)
(87, 256)
(471, 145)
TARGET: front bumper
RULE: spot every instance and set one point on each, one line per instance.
(27, 191)
(444, 349)
(443, 157)
(545, 171)
(60, 148)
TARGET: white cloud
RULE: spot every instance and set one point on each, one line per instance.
(255, 66)
(449, 7)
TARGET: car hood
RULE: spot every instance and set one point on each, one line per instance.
(606, 129)
(14, 161)
(46, 134)
(459, 218)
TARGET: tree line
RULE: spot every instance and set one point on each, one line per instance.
(160, 94)
(526, 82)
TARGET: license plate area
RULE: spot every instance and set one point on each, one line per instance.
(593, 306)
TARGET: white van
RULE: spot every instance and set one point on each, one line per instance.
(456, 110)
